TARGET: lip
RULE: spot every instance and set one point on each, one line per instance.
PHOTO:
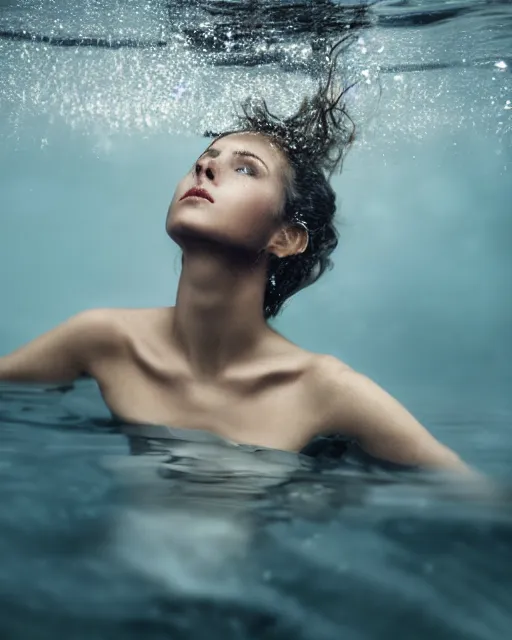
(196, 192)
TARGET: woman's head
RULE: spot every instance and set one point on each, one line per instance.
(243, 174)
(279, 204)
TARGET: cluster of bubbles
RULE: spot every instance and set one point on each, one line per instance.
(107, 68)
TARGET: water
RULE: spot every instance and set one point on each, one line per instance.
(198, 539)
(105, 533)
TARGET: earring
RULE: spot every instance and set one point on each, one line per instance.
(299, 223)
(304, 226)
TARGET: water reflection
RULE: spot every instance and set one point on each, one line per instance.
(112, 530)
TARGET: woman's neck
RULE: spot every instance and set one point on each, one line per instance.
(218, 319)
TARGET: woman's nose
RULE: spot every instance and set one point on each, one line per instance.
(207, 168)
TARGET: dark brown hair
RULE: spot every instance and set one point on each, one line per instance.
(314, 141)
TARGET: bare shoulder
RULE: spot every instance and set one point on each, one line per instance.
(110, 327)
(325, 376)
(335, 376)
(125, 318)
(97, 324)
(354, 405)
(84, 344)
(100, 323)
(343, 393)
(329, 374)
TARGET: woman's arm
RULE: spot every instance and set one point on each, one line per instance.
(66, 352)
(383, 427)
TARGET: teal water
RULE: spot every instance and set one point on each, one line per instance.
(188, 541)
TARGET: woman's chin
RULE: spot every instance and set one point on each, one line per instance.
(187, 234)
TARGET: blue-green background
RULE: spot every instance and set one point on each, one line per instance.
(420, 296)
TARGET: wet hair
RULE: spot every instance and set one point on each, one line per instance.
(314, 141)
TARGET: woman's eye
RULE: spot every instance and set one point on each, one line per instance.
(252, 172)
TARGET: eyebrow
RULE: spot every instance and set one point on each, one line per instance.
(214, 153)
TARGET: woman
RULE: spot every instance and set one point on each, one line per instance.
(254, 219)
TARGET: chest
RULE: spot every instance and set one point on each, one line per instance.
(275, 411)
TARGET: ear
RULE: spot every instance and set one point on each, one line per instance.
(289, 240)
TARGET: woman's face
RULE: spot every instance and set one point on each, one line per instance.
(244, 176)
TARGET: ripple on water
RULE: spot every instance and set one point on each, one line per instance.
(196, 535)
